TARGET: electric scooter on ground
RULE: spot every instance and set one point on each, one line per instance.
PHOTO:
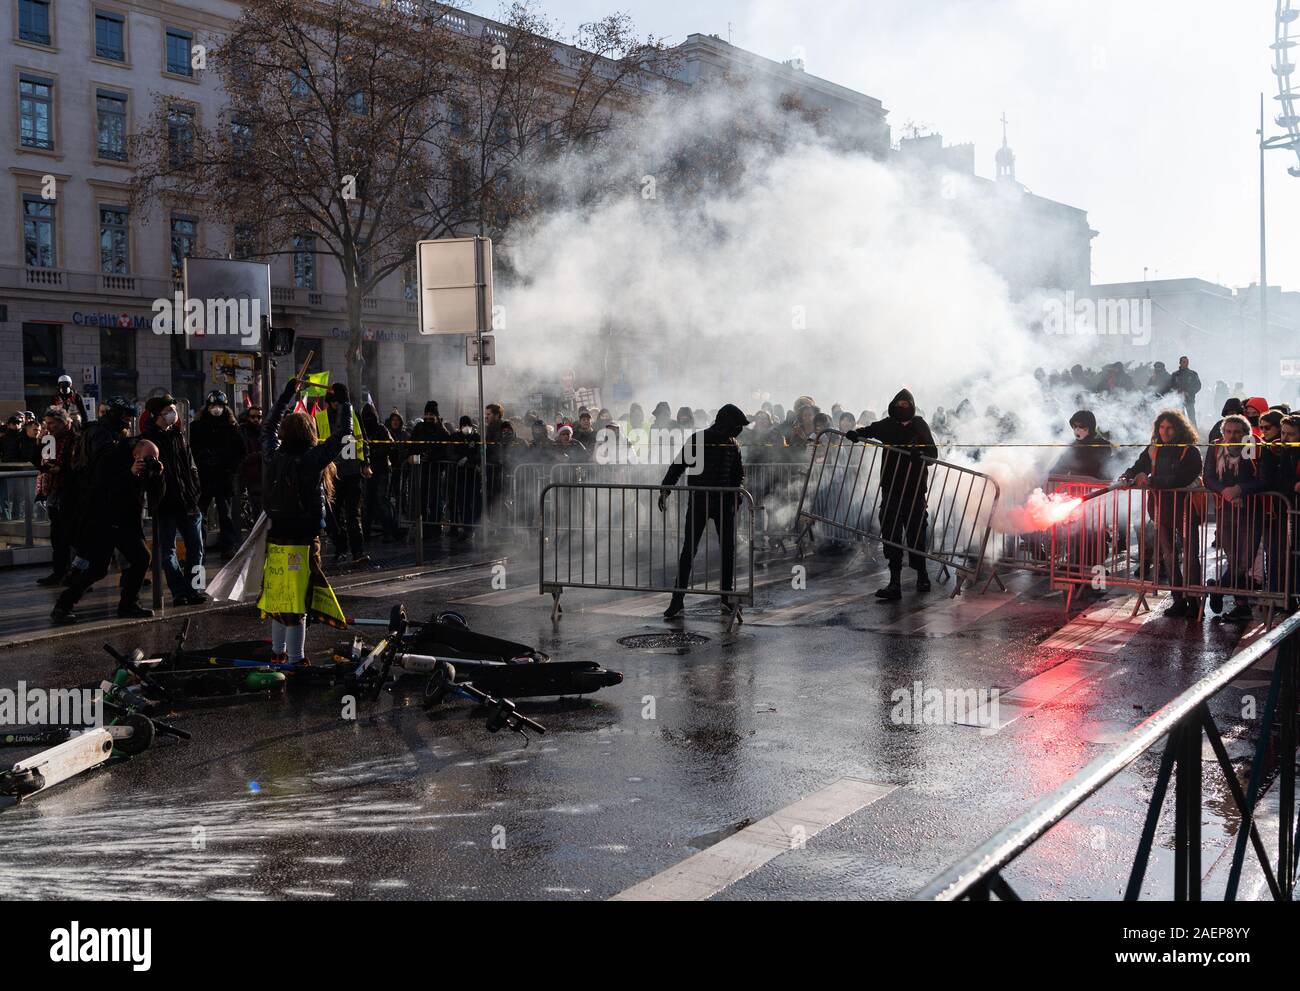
(469, 677)
(73, 750)
(492, 664)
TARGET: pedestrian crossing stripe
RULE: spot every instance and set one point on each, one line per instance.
(708, 872)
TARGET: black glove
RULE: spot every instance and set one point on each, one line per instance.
(852, 437)
(290, 389)
(340, 392)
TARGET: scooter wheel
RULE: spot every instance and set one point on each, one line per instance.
(440, 683)
(20, 783)
(450, 618)
(141, 738)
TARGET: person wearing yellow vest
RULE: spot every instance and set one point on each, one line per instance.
(344, 519)
(300, 480)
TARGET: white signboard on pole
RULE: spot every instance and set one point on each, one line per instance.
(449, 287)
(1291, 368)
(228, 301)
(480, 350)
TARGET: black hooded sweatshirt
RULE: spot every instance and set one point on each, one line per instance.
(715, 451)
(913, 439)
(1090, 457)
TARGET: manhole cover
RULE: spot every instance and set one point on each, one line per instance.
(663, 641)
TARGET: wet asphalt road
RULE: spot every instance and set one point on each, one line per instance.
(284, 798)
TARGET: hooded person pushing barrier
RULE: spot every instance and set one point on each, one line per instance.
(903, 480)
(713, 455)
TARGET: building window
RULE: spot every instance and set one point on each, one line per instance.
(110, 35)
(180, 137)
(244, 244)
(299, 88)
(184, 241)
(117, 361)
(179, 44)
(356, 102)
(34, 21)
(39, 245)
(456, 119)
(304, 261)
(241, 146)
(36, 112)
(42, 362)
(110, 125)
(410, 287)
(114, 241)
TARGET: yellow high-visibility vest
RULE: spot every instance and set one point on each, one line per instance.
(323, 430)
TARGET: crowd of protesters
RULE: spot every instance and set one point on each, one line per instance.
(94, 476)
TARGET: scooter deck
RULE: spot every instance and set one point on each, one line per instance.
(58, 764)
(523, 680)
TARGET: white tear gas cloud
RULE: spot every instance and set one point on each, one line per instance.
(813, 270)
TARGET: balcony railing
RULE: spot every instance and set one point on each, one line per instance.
(146, 288)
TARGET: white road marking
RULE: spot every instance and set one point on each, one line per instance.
(1036, 692)
(942, 616)
(1105, 630)
(702, 876)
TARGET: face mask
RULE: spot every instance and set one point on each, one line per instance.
(1080, 432)
(216, 410)
(466, 430)
(170, 417)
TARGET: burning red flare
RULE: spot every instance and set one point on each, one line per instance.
(1041, 512)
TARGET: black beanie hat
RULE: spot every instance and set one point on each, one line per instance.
(430, 408)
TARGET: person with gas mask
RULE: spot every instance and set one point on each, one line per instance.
(904, 516)
(120, 477)
(1090, 454)
(218, 452)
(710, 458)
(178, 509)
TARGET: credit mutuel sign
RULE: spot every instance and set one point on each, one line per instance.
(125, 321)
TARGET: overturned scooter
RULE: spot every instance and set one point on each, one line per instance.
(494, 665)
(76, 749)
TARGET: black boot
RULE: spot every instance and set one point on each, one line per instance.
(922, 579)
(676, 607)
(894, 590)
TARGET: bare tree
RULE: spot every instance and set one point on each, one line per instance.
(369, 127)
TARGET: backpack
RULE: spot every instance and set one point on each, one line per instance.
(285, 497)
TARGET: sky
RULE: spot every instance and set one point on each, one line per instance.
(1142, 112)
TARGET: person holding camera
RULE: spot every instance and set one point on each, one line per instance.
(121, 478)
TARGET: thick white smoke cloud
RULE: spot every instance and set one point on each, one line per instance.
(819, 272)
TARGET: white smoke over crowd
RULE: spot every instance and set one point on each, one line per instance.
(812, 271)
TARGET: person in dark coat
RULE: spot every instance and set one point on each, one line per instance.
(11, 444)
(466, 480)
(178, 510)
(219, 452)
(301, 473)
(1170, 463)
(354, 471)
(379, 505)
(1187, 384)
(431, 443)
(250, 468)
(904, 477)
(121, 476)
(1090, 454)
(710, 458)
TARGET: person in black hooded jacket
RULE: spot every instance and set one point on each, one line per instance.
(710, 458)
(218, 452)
(903, 479)
(1090, 454)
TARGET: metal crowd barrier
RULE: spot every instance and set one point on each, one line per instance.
(950, 524)
(980, 875)
(1032, 550)
(616, 538)
(18, 508)
(1191, 542)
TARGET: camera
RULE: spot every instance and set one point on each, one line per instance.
(152, 467)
